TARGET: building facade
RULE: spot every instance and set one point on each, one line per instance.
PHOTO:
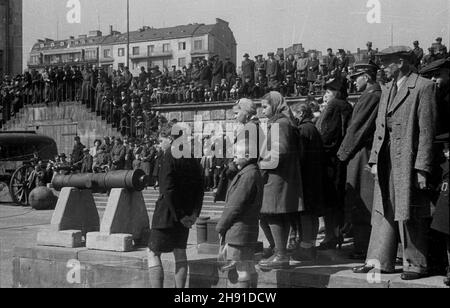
(165, 47)
(10, 37)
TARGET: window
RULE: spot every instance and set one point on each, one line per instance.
(182, 46)
(90, 54)
(181, 62)
(166, 47)
(198, 45)
(107, 53)
(151, 49)
(166, 63)
(136, 51)
(61, 44)
(121, 52)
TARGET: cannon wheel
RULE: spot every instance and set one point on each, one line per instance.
(19, 186)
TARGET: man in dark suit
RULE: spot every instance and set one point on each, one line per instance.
(355, 151)
(273, 72)
(402, 160)
(217, 71)
(248, 70)
(229, 71)
(332, 62)
(419, 54)
(177, 209)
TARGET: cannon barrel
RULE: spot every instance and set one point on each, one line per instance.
(135, 180)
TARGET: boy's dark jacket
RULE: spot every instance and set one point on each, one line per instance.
(240, 219)
(181, 191)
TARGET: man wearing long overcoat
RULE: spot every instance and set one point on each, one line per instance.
(248, 69)
(402, 160)
(355, 151)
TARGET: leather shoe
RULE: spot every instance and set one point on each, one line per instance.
(305, 255)
(408, 276)
(276, 262)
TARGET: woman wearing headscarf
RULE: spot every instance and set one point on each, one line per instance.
(280, 164)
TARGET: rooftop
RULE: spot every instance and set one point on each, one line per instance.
(142, 35)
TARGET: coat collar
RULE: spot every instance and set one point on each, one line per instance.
(246, 169)
(409, 83)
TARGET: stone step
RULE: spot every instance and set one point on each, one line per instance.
(206, 211)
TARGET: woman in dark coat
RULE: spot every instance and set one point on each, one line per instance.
(312, 158)
(332, 125)
(283, 190)
(178, 207)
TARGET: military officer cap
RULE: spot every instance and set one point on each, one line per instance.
(434, 66)
(364, 67)
(416, 43)
(334, 84)
(369, 44)
(439, 39)
(271, 54)
(246, 55)
(401, 51)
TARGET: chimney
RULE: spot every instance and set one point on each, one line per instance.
(111, 30)
(95, 33)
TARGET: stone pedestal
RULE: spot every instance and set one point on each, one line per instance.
(75, 215)
(125, 223)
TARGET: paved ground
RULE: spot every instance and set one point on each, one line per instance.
(19, 227)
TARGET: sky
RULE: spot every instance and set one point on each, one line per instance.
(259, 26)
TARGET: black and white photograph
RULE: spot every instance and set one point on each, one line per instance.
(243, 146)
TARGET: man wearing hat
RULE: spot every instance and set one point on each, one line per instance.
(402, 161)
(439, 72)
(248, 70)
(441, 48)
(332, 125)
(87, 162)
(217, 71)
(371, 54)
(118, 155)
(273, 72)
(229, 70)
(355, 151)
(77, 152)
(260, 67)
(419, 54)
(430, 57)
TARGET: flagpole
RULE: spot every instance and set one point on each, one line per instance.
(128, 33)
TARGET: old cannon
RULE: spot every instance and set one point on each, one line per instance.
(76, 222)
(135, 180)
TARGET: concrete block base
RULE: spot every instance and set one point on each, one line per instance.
(66, 239)
(109, 242)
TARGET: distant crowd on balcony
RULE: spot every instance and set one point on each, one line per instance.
(115, 93)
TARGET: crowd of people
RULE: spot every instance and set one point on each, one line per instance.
(376, 172)
(126, 101)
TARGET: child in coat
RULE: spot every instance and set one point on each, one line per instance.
(239, 225)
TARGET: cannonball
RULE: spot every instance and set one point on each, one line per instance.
(43, 198)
